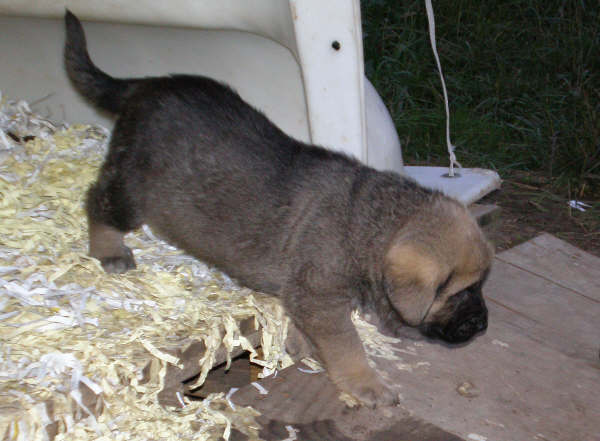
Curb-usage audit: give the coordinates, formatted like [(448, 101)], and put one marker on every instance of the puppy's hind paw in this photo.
[(118, 264)]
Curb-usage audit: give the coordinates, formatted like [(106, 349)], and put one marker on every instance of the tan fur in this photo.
[(416, 274), (423, 256)]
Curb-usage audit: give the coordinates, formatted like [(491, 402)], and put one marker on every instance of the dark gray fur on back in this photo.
[(213, 175)]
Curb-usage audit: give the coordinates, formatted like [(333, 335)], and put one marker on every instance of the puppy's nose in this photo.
[(468, 328), (477, 314), (476, 324)]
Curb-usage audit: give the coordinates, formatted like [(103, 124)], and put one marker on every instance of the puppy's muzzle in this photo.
[(469, 318)]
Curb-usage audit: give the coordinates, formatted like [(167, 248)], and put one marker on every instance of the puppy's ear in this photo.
[(411, 277)]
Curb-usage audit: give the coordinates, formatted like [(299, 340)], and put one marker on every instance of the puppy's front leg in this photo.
[(329, 327)]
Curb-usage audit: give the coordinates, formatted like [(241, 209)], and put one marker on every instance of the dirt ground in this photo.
[(529, 205)]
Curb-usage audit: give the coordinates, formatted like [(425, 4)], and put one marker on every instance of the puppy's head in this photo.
[(434, 271)]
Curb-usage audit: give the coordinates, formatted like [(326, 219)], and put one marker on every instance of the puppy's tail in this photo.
[(101, 89)]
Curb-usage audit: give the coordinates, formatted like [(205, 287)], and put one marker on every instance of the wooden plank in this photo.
[(310, 404), (502, 386), (556, 317), (556, 287), (559, 262), (534, 375)]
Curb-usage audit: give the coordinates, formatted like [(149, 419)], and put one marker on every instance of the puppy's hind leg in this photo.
[(110, 217), (106, 245)]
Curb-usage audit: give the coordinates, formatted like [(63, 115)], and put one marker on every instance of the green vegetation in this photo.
[(523, 78)]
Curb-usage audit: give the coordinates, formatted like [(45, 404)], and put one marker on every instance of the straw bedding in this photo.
[(75, 341)]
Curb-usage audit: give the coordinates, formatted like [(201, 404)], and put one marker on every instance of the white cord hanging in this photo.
[(431, 20)]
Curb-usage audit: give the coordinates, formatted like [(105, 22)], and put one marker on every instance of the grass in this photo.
[(523, 78)]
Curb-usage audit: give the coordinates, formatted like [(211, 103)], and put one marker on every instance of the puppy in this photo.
[(316, 228)]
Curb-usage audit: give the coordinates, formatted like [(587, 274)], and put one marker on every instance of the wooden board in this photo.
[(559, 262), (545, 312), (534, 375), (310, 404)]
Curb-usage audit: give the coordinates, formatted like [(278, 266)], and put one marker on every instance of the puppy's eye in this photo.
[(440, 289)]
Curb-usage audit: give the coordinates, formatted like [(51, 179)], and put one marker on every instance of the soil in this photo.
[(531, 204)]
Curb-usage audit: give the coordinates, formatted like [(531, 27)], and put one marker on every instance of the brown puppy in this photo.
[(318, 229)]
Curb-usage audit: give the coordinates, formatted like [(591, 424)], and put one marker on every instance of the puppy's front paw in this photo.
[(369, 390), (119, 264)]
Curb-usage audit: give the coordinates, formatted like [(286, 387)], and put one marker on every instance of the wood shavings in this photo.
[(292, 433), (467, 390), (75, 341), (261, 390), (349, 400), (375, 343), (500, 343), (310, 371), (313, 364), (159, 354), (411, 367), (229, 395), (476, 437)]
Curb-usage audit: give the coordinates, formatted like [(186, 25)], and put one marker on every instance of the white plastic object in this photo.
[(321, 98), (280, 55), (468, 184)]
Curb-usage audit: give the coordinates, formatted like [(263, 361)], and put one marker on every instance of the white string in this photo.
[(451, 147)]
